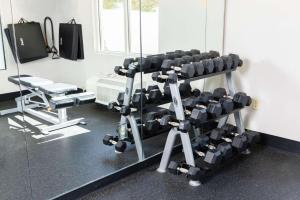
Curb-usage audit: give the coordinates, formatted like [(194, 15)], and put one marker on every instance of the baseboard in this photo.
[(12, 95), (280, 143)]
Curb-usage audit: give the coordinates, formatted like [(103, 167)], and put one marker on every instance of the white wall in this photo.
[(266, 35)]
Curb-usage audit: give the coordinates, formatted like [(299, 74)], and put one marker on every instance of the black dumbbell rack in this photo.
[(180, 115)]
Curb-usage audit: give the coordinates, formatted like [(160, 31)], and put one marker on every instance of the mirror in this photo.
[(2, 48), (13, 157), (68, 92), (168, 26)]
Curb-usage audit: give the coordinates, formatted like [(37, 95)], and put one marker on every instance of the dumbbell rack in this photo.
[(123, 125), (180, 115)]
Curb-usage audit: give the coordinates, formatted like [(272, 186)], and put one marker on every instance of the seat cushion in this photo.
[(58, 88), (35, 82)]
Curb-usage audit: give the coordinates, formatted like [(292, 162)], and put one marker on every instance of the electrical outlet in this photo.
[(254, 104)]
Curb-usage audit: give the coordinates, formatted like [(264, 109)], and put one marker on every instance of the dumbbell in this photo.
[(179, 65), (239, 99), (226, 103), (193, 173), (231, 61), (205, 55), (151, 95), (124, 110), (139, 63), (185, 90), (252, 137), (152, 119), (120, 98), (210, 153), (213, 109), (170, 120), (125, 72), (238, 141), (156, 61), (120, 146)]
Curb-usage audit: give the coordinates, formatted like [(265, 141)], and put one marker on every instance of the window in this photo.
[(2, 55), (120, 25)]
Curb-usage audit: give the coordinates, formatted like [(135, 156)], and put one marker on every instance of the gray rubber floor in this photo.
[(61, 161), (267, 174)]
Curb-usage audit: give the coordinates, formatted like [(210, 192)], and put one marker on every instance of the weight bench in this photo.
[(44, 96)]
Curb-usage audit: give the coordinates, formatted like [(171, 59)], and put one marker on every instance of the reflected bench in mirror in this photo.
[(39, 91)]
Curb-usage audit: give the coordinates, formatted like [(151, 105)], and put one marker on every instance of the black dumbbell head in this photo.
[(188, 53), (156, 77), (188, 59), (180, 52), (152, 125), (189, 103), (172, 78), (164, 121), (213, 54), (227, 105), (151, 116), (195, 51), (111, 105), (219, 64), (213, 156), (241, 99), (179, 61), (229, 129), (120, 98), (125, 110), (167, 65), (120, 146), (187, 70), (118, 69), (214, 109), (140, 90), (172, 167), (107, 139), (236, 60), (196, 92), (209, 66), (138, 99), (152, 87), (167, 91), (199, 68), (155, 95), (217, 134), (205, 97), (219, 93), (143, 63), (184, 126), (198, 116), (240, 142), (252, 137), (228, 62), (201, 142), (156, 62), (225, 149), (194, 173), (185, 89), (127, 62)]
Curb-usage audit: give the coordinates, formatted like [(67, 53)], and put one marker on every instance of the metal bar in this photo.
[(62, 115), (187, 149), (136, 137), (177, 101), (122, 131), (167, 150)]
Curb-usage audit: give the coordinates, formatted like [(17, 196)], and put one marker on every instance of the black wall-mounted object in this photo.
[(29, 40), (71, 41)]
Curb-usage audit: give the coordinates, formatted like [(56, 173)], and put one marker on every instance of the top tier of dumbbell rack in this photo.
[(180, 115)]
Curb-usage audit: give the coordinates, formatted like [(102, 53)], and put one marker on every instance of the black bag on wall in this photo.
[(71, 40), (30, 42)]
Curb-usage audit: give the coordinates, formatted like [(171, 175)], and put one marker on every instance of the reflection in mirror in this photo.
[(174, 33), (14, 174), (2, 54), (71, 136)]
